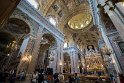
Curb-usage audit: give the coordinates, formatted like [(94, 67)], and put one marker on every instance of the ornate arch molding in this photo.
[(57, 40), (66, 53), (17, 27), (45, 32), (21, 16)]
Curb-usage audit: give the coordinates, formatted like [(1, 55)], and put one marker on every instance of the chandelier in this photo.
[(11, 47), (51, 58)]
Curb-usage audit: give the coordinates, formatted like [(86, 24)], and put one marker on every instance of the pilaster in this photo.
[(115, 17), (74, 61), (118, 25), (29, 58)]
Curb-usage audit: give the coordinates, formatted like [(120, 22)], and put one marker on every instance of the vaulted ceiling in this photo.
[(74, 16), (63, 10)]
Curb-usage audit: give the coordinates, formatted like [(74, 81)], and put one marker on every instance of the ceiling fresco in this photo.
[(73, 18), (80, 21)]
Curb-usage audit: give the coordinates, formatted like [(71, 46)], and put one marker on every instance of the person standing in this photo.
[(71, 79), (121, 77), (34, 77), (61, 78), (1, 77), (12, 76), (40, 77), (111, 77), (21, 76), (56, 80), (77, 79), (45, 79)]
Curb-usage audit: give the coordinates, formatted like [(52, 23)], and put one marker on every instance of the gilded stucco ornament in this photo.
[(80, 21)]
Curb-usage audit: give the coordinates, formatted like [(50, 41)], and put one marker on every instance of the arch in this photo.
[(45, 32), (47, 43), (80, 9), (18, 25), (6, 41), (67, 63), (50, 38), (14, 30), (20, 17)]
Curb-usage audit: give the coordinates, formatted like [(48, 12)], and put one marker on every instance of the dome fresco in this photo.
[(80, 21)]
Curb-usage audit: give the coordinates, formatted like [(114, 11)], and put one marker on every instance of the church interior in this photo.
[(73, 41)]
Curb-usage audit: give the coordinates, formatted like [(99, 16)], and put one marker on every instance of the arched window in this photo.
[(55, 7), (34, 3), (123, 4), (65, 45), (52, 21)]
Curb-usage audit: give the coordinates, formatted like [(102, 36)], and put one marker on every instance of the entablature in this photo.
[(73, 48), (26, 8)]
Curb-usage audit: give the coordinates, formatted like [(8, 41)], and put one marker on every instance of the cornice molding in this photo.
[(72, 13), (71, 49), (26, 8)]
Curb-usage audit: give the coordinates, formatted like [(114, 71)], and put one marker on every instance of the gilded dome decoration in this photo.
[(80, 21)]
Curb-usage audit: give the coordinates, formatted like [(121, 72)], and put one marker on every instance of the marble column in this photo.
[(57, 54), (29, 58), (60, 58), (115, 17), (108, 44), (35, 51), (53, 64), (121, 7), (74, 62), (106, 39), (103, 32)]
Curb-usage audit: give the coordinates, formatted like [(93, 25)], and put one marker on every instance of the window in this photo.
[(121, 46), (77, 2), (65, 45), (60, 14), (33, 3), (55, 7), (52, 21), (123, 4), (80, 1)]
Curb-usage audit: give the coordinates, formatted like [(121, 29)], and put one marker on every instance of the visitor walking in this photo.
[(70, 79), (121, 77), (22, 75), (12, 76), (56, 80), (1, 77), (34, 77), (77, 79), (61, 78), (40, 77), (111, 78), (45, 79)]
